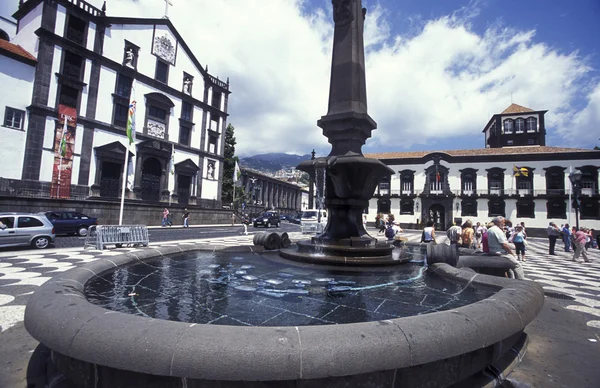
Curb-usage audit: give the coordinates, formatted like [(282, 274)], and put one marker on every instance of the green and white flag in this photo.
[(131, 116), (63, 142)]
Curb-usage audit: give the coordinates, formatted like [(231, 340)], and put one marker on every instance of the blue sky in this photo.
[(437, 70)]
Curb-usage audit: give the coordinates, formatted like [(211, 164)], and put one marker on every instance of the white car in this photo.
[(313, 220), (21, 229)]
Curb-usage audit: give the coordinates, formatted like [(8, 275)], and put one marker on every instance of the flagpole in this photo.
[(130, 130), (124, 183), (570, 192)]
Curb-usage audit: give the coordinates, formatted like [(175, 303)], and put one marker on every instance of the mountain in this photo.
[(273, 161)]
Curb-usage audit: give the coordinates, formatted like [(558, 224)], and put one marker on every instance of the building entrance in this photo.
[(183, 188), (109, 180), (151, 173), (437, 215)]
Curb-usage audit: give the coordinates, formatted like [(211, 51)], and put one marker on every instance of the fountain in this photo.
[(336, 314)]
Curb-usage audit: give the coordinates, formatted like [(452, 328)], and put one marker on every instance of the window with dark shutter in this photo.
[(162, 71)]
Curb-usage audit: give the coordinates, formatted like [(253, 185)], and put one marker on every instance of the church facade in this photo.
[(516, 176), (78, 75)]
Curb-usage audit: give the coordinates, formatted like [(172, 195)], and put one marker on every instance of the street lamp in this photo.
[(575, 178)]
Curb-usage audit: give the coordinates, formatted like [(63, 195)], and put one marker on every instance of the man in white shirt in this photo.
[(499, 245)]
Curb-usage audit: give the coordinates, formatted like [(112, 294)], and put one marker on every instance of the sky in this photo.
[(436, 70)]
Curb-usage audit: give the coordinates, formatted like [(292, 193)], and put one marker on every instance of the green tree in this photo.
[(228, 168)]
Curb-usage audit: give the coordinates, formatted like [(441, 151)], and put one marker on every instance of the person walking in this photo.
[(165, 217), (245, 222), (519, 240), (428, 234), (186, 216), (566, 235), (498, 246), (553, 234), (580, 237)]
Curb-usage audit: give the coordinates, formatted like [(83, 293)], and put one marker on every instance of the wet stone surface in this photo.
[(246, 289)]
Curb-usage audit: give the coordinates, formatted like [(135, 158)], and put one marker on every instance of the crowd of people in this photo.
[(499, 236)]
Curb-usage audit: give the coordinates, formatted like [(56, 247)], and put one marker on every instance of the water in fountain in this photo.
[(250, 289)]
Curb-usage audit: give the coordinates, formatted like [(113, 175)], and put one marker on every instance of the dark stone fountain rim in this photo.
[(59, 316)]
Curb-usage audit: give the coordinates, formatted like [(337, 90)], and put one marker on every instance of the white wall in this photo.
[(26, 37), (539, 183), (16, 79), (53, 90)]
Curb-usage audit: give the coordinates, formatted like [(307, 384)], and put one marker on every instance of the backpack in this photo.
[(389, 232)]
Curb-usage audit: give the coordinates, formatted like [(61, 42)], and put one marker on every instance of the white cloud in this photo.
[(442, 82)]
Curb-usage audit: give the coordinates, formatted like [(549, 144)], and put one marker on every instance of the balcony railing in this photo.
[(483, 192)]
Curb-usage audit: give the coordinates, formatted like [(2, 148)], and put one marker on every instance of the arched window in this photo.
[(520, 125), (407, 182), (469, 208), (531, 124), (407, 206), (496, 208), (556, 208), (495, 180), (525, 208), (508, 126), (468, 181), (555, 180)]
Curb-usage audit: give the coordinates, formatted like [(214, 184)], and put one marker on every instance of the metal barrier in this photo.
[(312, 227), (99, 236)]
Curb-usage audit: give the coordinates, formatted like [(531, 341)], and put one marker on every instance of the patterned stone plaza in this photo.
[(21, 273)]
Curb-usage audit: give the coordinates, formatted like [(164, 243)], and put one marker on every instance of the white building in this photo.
[(87, 63), (516, 176)]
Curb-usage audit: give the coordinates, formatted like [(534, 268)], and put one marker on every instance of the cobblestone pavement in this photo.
[(22, 272)]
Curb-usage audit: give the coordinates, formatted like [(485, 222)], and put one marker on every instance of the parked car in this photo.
[(266, 219), (21, 229), (67, 222)]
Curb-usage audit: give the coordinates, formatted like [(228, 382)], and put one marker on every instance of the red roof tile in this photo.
[(514, 108), (479, 152), (16, 49)]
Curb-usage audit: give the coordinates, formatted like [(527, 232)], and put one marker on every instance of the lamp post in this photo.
[(575, 178)]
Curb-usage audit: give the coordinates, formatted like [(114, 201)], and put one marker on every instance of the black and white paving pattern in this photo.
[(22, 272)]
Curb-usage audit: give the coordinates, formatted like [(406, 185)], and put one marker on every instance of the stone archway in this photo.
[(151, 176)]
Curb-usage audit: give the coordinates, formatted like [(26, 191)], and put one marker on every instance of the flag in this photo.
[(518, 171), (437, 176), (131, 117), (63, 142), (236, 172)]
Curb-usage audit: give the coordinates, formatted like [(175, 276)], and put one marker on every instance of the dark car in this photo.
[(266, 219), (70, 222)]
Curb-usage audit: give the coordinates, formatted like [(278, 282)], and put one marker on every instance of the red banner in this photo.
[(64, 145)]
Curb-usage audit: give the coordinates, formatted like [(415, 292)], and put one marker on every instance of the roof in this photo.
[(480, 152), (514, 108), (16, 52)]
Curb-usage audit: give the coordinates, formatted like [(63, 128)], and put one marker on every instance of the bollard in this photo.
[(270, 240), (442, 253)]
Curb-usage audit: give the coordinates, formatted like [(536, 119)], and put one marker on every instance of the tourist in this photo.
[(566, 236), (467, 234), (588, 239), (479, 230), (518, 238), (428, 234), (454, 234), (245, 223), (380, 224), (498, 246), (186, 216), (165, 218), (579, 243), (553, 234)]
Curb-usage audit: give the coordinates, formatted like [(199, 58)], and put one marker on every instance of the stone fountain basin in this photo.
[(90, 343)]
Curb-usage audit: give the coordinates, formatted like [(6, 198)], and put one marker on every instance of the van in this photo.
[(313, 220)]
